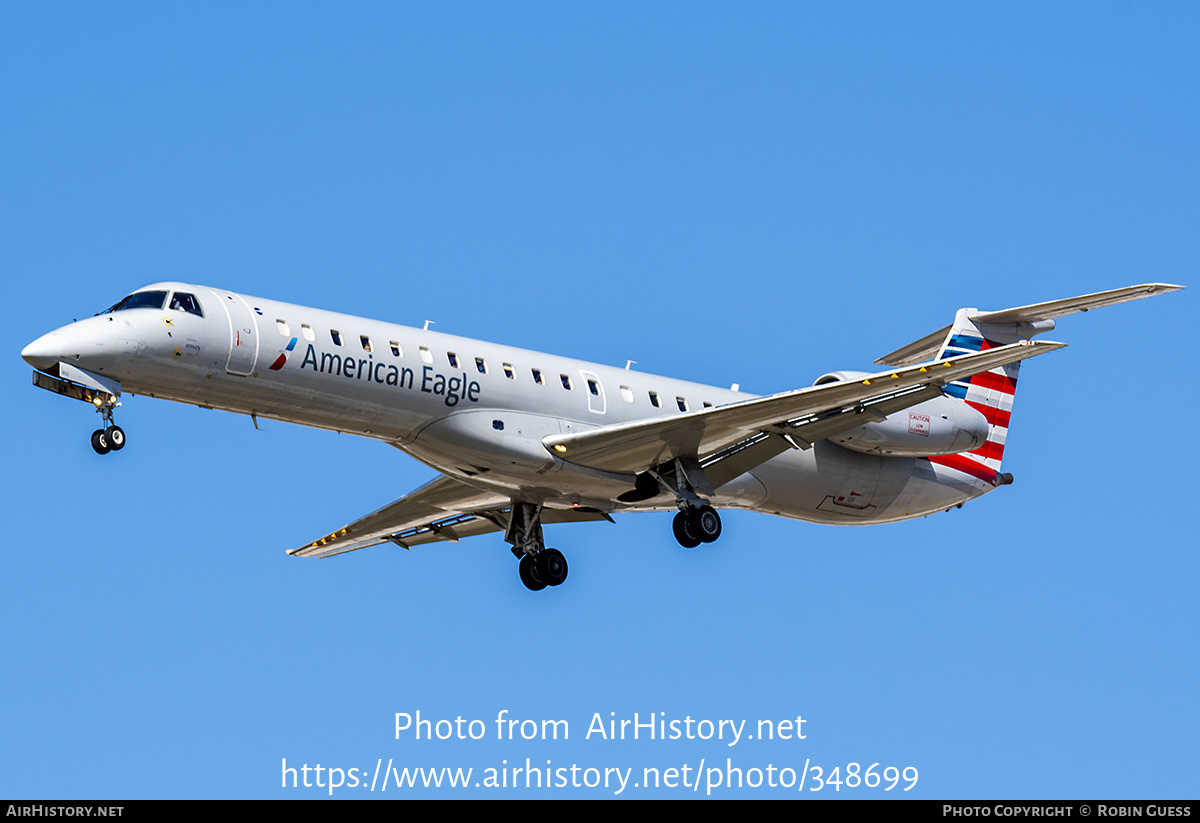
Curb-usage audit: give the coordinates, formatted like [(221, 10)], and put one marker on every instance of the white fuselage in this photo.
[(473, 410)]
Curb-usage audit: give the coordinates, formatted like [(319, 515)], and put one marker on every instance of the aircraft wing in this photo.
[(441, 500), (443, 509), (820, 410)]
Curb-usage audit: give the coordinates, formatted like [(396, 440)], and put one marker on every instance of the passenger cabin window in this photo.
[(284, 331), (627, 394), (182, 301), (308, 332), (336, 336), (594, 387), (481, 364), (366, 343), (654, 399), (453, 358), (396, 350), (508, 371), (141, 300), (426, 354), (566, 381), (538, 378), (681, 403)]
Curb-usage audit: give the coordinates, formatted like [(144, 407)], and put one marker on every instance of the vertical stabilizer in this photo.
[(990, 392)]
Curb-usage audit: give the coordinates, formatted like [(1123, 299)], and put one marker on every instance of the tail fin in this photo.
[(991, 392)]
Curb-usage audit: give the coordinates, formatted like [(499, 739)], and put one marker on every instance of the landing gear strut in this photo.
[(540, 567), (112, 436), (697, 521)]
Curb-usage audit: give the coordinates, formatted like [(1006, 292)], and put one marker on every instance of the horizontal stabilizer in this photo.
[(1061, 308), (931, 344)]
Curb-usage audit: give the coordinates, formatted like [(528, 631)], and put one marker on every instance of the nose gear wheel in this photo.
[(112, 436)]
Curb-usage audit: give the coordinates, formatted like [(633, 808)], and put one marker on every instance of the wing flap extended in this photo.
[(441, 510), (636, 446), (483, 522), (440, 501)]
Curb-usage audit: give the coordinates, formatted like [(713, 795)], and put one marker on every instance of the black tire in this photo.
[(554, 566), (685, 531), (115, 436), (532, 581), (99, 443), (708, 523)]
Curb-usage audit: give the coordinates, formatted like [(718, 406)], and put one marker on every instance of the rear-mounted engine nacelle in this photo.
[(943, 425)]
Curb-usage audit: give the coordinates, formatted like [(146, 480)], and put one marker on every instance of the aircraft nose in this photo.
[(43, 352)]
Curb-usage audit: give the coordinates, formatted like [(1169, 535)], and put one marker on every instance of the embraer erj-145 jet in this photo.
[(523, 439)]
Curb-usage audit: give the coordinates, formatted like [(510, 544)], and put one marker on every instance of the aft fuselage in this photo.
[(473, 410)]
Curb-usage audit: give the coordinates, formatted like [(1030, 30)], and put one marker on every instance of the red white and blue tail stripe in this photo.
[(990, 393)]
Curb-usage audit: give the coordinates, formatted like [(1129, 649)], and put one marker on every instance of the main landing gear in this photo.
[(695, 525), (546, 568), (112, 436), (540, 567), (697, 521)]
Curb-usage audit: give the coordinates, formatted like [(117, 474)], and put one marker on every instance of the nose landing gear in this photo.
[(101, 392), (108, 439), (111, 437)]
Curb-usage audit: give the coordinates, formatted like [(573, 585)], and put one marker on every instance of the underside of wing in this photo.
[(1060, 308), (795, 418), (442, 500), (443, 509)]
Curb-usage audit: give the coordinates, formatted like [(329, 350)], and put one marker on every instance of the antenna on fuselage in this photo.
[(629, 363), (428, 323)]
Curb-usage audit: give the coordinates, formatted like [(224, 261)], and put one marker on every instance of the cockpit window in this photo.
[(182, 301), (141, 300)]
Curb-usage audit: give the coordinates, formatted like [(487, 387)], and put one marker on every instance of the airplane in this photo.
[(523, 439)]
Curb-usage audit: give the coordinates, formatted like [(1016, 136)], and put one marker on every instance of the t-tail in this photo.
[(991, 392)]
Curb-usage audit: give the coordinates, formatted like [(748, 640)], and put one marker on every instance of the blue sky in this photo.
[(754, 195)]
